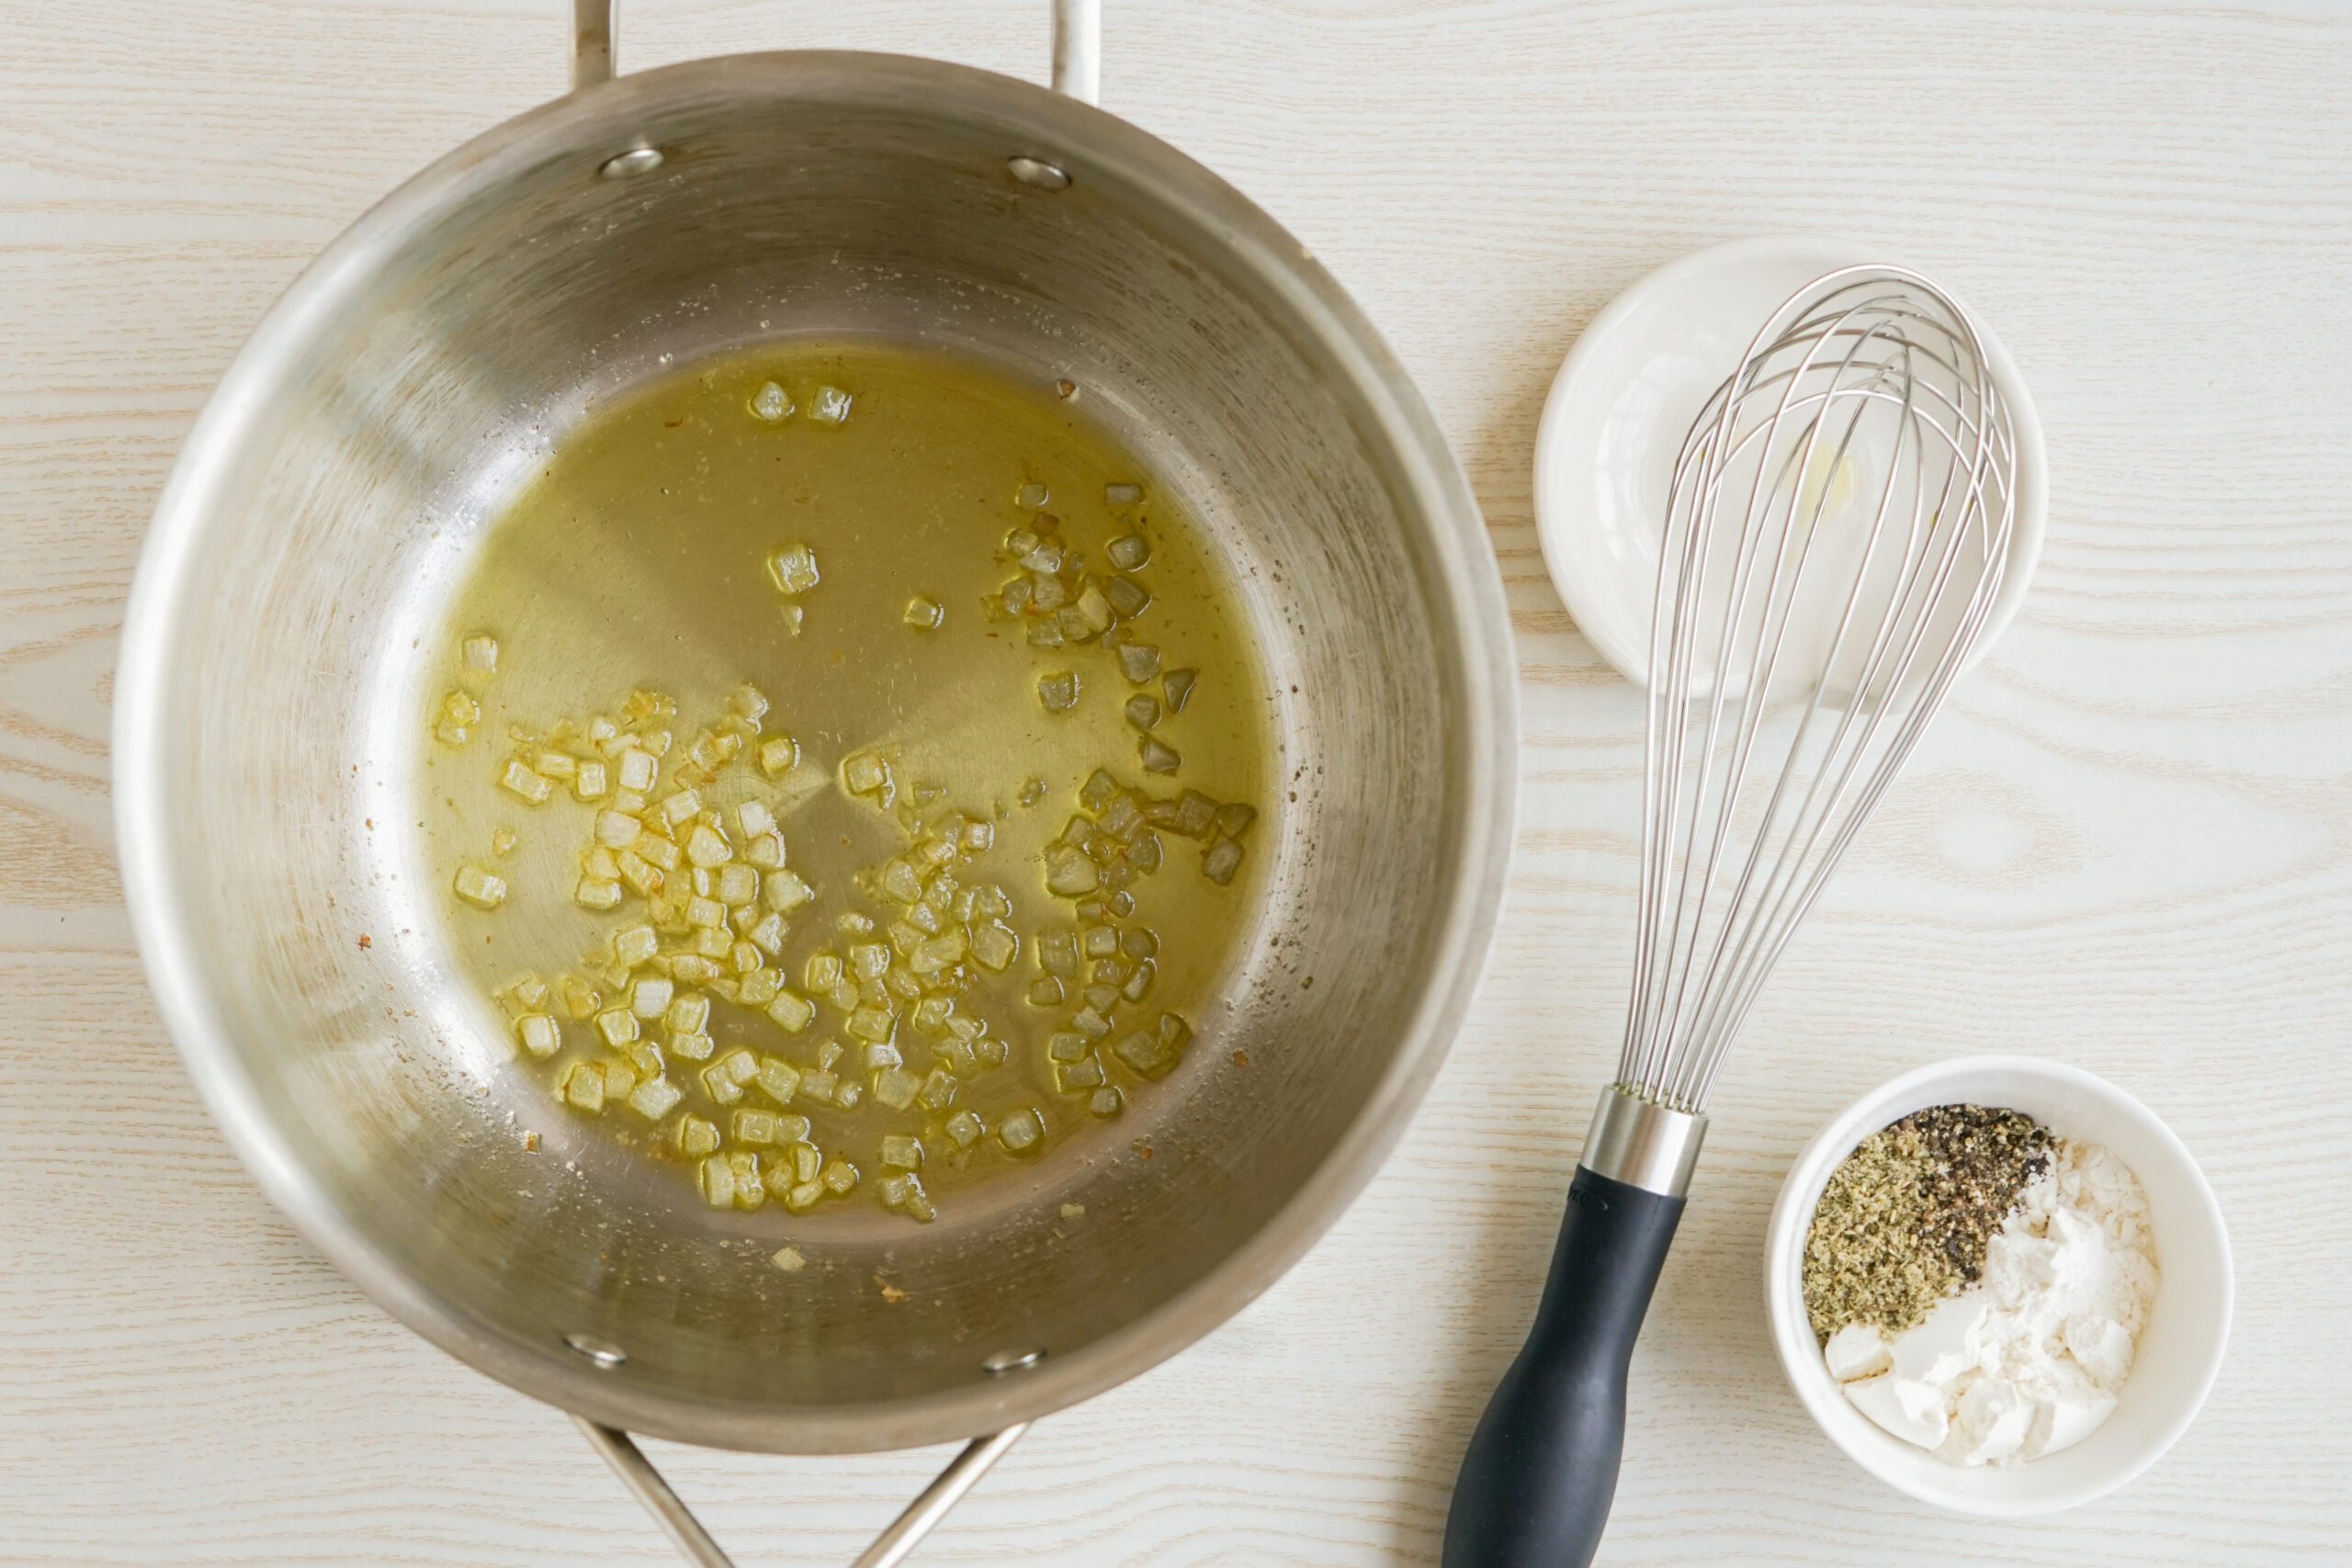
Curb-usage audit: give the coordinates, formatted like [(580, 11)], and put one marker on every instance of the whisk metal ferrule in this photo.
[(1643, 1142)]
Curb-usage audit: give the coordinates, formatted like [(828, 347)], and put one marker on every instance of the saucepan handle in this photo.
[(889, 1549), (1077, 46)]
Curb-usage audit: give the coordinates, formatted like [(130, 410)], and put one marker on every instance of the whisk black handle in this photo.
[(1535, 1486)]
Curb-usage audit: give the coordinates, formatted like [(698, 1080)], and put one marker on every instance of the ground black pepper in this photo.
[(1905, 1218)]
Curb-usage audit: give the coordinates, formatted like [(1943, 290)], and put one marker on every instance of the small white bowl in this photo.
[(1625, 397), (2179, 1354)]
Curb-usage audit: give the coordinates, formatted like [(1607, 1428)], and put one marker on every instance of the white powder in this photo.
[(2028, 1360)]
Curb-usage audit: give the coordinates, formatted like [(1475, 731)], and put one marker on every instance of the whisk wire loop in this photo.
[(1837, 527)]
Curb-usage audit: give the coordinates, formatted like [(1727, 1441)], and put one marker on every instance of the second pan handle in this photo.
[(1077, 46), (649, 1486)]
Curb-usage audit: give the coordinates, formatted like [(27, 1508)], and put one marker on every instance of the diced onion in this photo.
[(655, 1098), (718, 1179), (707, 846), (1177, 687), (863, 773), (695, 1136), (583, 1087), (1157, 756), (995, 945), (520, 780), (767, 934), (1021, 1131), (830, 406), (1086, 1072), (650, 995), (1068, 871), (794, 569), (751, 1192), (1138, 662), (539, 1035), (737, 885), (482, 889), (770, 403), (1127, 597), (1195, 813)]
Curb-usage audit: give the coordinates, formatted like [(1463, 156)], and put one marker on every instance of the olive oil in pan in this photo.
[(985, 679)]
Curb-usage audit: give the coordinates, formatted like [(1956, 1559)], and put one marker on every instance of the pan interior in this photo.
[(439, 367), (635, 563)]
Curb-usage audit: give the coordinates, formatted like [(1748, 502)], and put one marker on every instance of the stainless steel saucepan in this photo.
[(270, 693)]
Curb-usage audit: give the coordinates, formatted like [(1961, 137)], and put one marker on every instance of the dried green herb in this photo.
[(1905, 1218)]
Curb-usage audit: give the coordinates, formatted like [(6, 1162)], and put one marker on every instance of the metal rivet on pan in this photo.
[(1011, 1361), (1036, 172), (636, 160), (604, 1352)]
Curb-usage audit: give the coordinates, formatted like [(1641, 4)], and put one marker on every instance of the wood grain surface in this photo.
[(2128, 847)]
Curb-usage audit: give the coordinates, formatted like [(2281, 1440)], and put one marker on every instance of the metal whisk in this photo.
[(1837, 533)]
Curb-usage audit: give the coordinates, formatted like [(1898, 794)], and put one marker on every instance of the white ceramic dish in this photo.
[(1625, 397), (2178, 1353)]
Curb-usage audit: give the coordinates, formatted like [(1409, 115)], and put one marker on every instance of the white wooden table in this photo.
[(2129, 846)]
